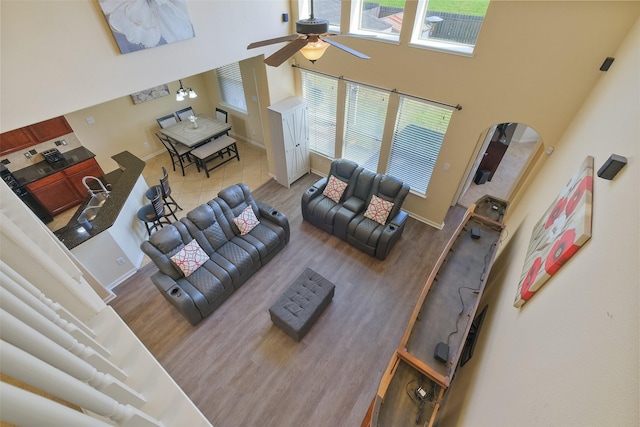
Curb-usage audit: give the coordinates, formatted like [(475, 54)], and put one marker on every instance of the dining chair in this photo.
[(221, 116), (180, 153), (166, 121), (184, 113), (154, 214), (165, 191)]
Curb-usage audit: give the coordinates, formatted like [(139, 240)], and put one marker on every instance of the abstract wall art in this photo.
[(149, 94), (561, 231), (143, 24)]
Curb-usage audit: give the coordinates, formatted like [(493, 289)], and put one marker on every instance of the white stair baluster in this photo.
[(27, 368), (26, 338), (59, 309), (23, 408)]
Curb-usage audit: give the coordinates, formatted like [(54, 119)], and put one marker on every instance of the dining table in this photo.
[(194, 134)]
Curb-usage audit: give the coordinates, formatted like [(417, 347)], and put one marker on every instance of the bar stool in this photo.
[(165, 191), (153, 214), (213, 150)]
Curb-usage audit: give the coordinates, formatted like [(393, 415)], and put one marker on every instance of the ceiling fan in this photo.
[(311, 40)]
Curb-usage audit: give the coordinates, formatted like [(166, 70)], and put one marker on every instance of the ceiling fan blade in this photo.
[(286, 52), (273, 41), (346, 49)]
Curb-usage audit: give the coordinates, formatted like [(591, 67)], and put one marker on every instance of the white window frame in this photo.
[(354, 25), (412, 173), (351, 138), (439, 45), (225, 75), (321, 143)]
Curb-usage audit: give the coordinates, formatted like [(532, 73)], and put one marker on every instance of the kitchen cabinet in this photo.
[(16, 140), (50, 129), (74, 175), (289, 124), (55, 192), (20, 139), (64, 189)]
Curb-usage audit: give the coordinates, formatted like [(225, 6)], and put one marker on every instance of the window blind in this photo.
[(419, 130), (365, 113), (321, 94), (231, 89)]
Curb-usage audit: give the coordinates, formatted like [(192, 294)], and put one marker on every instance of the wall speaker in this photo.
[(607, 63), (612, 166)]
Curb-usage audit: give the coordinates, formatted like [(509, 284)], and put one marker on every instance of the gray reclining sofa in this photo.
[(231, 257), (347, 219)]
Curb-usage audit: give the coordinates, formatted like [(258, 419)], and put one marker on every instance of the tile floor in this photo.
[(195, 188)]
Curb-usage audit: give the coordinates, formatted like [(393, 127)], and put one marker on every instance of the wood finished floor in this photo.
[(241, 370)]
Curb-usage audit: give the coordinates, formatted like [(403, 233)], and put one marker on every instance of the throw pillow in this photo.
[(190, 258), (334, 189), (378, 209), (246, 221)]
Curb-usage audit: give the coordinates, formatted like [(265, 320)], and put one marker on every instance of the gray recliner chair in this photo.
[(225, 259), (372, 237), (270, 235), (196, 296), (319, 209), (208, 225)]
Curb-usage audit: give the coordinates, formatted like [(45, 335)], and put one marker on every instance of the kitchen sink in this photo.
[(97, 200), (91, 209)]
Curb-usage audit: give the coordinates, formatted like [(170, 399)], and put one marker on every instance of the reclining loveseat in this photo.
[(203, 258), (358, 206)]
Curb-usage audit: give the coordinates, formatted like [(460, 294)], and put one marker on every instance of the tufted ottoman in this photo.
[(302, 303)]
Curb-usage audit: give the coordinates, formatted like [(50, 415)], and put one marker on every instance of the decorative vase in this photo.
[(195, 125)]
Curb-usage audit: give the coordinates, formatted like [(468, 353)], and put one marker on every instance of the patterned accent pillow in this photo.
[(246, 221), (190, 258), (334, 189), (378, 209)]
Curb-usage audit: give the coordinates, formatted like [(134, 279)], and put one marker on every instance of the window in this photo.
[(231, 90), (324, 9), (382, 19), (419, 130), (365, 113), (449, 25), (321, 94)]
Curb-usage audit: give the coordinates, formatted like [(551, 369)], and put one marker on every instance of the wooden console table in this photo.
[(414, 382)]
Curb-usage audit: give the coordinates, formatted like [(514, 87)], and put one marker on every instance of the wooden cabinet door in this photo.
[(50, 129), (55, 193), (87, 168), (16, 140)]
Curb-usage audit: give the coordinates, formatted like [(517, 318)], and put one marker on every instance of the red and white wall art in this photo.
[(561, 231)]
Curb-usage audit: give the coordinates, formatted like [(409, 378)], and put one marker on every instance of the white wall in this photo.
[(570, 356), (535, 63)]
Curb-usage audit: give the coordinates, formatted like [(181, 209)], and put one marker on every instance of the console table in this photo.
[(415, 379)]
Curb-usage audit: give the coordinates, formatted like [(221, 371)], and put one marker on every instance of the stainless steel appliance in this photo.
[(52, 156), (22, 192)]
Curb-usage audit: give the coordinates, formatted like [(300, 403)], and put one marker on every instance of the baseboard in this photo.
[(152, 155), (425, 221)]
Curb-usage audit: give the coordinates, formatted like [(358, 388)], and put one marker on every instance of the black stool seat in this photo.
[(153, 214), (165, 191)]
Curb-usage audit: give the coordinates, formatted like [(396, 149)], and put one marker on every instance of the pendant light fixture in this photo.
[(183, 93)]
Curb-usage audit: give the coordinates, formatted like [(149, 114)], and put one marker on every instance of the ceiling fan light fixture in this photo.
[(314, 50)]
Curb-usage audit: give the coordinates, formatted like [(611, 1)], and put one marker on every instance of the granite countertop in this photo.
[(43, 169), (121, 183)]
